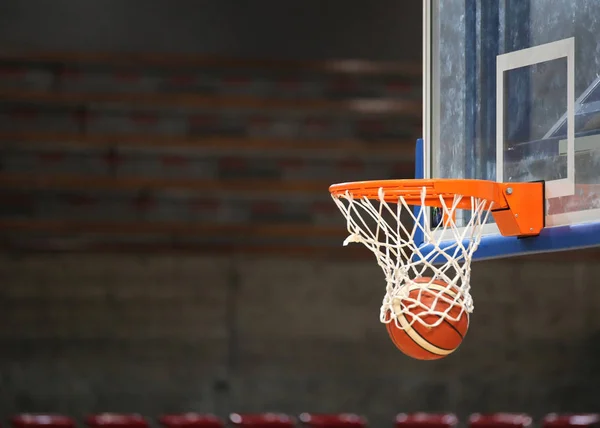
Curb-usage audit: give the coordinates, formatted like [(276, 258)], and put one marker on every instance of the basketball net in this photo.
[(377, 224)]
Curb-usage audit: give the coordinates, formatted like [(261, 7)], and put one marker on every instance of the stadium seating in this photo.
[(163, 151), (500, 420), (426, 420), (191, 420), (116, 420), (337, 420), (555, 420), (262, 420), (39, 420)]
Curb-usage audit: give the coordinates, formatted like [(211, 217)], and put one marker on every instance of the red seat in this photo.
[(554, 420), (191, 420), (116, 420), (31, 420), (338, 420), (426, 420), (262, 420), (499, 420)]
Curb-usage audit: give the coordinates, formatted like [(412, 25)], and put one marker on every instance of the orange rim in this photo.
[(518, 208), (410, 191)]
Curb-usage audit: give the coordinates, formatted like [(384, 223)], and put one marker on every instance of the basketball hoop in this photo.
[(374, 212)]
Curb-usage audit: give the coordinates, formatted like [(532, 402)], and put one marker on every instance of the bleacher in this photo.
[(304, 420), (158, 152)]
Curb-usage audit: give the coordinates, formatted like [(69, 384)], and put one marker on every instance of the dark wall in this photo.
[(179, 333), (300, 29)]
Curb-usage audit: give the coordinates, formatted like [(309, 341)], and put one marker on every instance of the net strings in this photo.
[(378, 225)]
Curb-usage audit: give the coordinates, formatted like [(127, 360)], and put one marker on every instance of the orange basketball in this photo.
[(422, 342)]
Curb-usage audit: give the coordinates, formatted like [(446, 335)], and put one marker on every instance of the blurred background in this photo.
[(168, 240)]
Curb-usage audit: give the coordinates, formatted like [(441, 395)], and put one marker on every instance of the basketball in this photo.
[(422, 342)]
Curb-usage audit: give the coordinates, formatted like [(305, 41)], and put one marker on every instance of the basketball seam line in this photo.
[(450, 292), (414, 334), (427, 345), (454, 328)]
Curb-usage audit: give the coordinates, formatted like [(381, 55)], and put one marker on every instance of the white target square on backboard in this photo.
[(555, 187)]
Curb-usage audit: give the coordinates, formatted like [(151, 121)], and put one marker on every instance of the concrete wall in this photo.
[(301, 29), (177, 333)]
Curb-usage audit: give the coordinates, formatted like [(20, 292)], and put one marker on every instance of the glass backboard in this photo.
[(512, 94)]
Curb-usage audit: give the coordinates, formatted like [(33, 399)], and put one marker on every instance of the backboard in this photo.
[(512, 94)]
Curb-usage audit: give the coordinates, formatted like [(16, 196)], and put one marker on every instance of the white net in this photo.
[(428, 279)]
